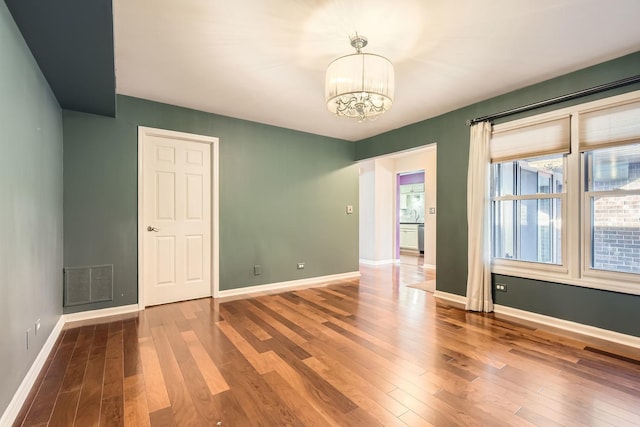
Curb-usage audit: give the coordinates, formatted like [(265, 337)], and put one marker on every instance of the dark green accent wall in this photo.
[(72, 41), (282, 196), (31, 213), (452, 135)]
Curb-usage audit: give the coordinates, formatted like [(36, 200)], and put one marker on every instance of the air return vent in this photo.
[(83, 285)]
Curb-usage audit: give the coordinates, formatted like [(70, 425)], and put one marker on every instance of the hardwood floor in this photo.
[(356, 353)]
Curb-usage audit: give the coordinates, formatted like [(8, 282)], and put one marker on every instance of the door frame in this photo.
[(143, 132)]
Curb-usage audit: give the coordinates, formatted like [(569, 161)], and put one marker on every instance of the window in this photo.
[(612, 199), (527, 209), (565, 195)]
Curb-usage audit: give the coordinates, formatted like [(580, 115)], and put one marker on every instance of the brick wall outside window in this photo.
[(616, 232)]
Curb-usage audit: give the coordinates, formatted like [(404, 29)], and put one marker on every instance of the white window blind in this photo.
[(550, 136), (610, 126)]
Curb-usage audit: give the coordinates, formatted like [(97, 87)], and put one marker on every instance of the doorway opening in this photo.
[(410, 214), (398, 212)]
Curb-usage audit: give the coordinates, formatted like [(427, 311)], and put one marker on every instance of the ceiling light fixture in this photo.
[(360, 85)]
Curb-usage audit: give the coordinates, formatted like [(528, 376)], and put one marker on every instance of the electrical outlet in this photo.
[(300, 265), (432, 211), (349, 209), (257, 270), (501, 287), (37, 328)]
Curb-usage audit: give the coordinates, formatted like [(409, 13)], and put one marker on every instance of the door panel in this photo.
[(194, 258), (177, 218), (165, 260), (165, 198), (194, 197)]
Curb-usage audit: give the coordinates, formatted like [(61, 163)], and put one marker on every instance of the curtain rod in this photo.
[(584, 92)]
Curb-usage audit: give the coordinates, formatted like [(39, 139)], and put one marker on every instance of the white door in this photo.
[(175, 217)]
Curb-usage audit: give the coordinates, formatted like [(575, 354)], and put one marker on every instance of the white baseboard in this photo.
[(380, 262), (20, 396), (570, 326), (429, 266), (454, 298), (302, 283), (567, 325), (104, 312)]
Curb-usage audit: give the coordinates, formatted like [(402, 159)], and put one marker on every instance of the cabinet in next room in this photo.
[(409, 236)]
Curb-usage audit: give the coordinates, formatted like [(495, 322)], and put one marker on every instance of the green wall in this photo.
[(282, 196), (604, 309), (452, 135), (31, 214)]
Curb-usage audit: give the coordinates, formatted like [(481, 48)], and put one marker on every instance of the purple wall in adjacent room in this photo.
[(414, 178)]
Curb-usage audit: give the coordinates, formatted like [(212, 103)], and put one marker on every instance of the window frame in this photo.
[(562, 196), (587, 270), (575, 236)]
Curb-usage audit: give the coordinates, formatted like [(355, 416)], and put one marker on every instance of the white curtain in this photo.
[(478, 220)]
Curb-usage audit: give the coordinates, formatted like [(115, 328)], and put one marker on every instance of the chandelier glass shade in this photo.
[(360, 85)]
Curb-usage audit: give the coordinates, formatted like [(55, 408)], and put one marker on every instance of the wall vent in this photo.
[(84, 285)]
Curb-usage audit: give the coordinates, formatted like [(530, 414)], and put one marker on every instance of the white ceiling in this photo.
[(264, 60)]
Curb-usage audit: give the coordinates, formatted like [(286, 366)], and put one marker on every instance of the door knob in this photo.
[(150, 228)]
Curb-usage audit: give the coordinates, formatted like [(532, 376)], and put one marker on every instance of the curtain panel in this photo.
[(478, 220)]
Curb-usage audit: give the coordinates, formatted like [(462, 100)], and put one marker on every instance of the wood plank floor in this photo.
[(364, 352)]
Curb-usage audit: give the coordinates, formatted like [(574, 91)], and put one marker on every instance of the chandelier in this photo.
[(360, 85)]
